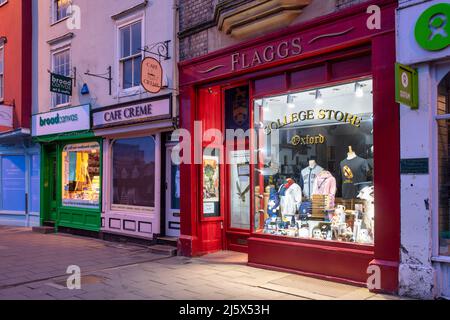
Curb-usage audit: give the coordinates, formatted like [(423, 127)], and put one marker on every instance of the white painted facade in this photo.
[(95, 46), (92, 36), (423, 273)]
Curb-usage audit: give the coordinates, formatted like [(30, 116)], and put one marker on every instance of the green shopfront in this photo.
[(71, 167)]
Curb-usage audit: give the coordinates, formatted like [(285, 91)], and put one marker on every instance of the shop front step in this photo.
[(44, 230), (170, 241), (164, 249)]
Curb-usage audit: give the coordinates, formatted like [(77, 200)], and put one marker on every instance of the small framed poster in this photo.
[(211, 183)]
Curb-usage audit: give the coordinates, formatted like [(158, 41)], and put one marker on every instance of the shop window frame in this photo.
[(59, 177), (110, 205), (232, 147), (440, 71), (26, 178), (312, 86)]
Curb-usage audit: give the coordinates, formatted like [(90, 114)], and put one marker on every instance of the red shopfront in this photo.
[(318, 100)]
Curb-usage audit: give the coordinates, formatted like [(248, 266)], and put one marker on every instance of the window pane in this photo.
[(134, 172), (444, 172), (125, 41), (315, 162), (81, 175), (128, 73), (137, 71), (136, 38), (61, 7), (35, 183), (13, 183)]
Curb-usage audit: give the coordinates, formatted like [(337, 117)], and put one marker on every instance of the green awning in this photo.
[(78, 135)]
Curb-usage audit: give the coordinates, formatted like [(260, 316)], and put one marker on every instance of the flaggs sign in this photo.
[(266, 54)]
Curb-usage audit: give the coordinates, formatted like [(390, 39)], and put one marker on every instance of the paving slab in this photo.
[(34, 267)]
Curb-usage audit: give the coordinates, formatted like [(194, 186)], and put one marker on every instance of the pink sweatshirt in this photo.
[(325, 183)]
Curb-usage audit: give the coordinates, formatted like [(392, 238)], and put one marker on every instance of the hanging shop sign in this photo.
[(151, 75), (61, 84), (63, 120), (406, 86), (133, 113), (432, 29), (6, 116)]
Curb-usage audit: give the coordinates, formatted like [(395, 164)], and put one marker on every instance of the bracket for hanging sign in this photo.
[(158, 49), (105, 76)]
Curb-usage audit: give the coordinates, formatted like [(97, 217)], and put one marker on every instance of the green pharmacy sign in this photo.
[(406, 86), (433, 28), (60, 84)]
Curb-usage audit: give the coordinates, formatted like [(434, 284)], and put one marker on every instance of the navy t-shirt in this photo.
[(353, 171)]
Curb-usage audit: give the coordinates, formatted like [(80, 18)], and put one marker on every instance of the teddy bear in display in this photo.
[(367, 194)]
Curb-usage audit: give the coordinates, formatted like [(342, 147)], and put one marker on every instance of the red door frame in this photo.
[(336, 261)]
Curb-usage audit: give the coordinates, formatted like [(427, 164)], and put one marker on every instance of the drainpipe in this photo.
[(176, 6)]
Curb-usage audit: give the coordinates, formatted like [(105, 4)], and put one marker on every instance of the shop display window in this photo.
[(134, 174), (444, 167), (81, 175), (13, 170), (314, 171)]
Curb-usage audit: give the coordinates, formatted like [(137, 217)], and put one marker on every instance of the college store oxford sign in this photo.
[(62, 120), (126, 114)]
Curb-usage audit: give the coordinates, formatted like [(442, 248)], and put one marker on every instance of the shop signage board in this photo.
[(432, 30), (62, 120), (133, 113), (282, 47), (61, 84), (414, 166), (406, 86), (6, 116), (151, 75)]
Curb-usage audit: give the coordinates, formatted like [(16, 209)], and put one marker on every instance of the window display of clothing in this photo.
[(309, 175), (290, 198), (354, 171), (325, 184)]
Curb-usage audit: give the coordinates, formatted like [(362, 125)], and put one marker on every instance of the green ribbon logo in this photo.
[(433, 28)]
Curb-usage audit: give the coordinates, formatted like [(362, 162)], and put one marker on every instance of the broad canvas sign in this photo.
[(132, 113), (60, 84), (62, 120)]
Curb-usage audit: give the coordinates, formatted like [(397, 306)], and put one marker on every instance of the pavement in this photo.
[(34, 266)]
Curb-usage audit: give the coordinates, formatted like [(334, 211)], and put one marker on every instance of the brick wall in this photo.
[(195, 16)]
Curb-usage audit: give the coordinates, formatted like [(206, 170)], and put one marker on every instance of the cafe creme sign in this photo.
[(151, 75), (132, 113)]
